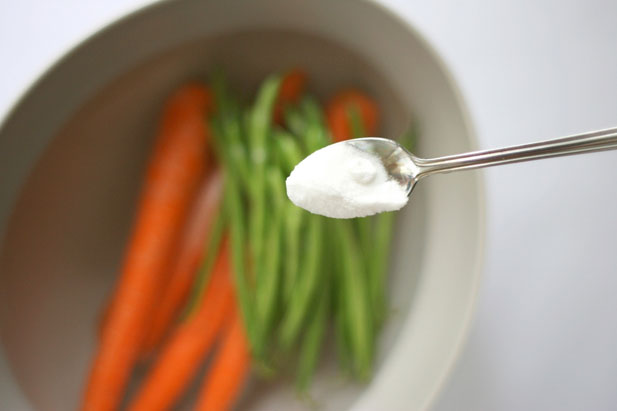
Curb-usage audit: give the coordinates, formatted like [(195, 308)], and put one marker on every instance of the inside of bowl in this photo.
[(95, 116)]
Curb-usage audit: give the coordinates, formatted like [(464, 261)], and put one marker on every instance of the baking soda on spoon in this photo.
[(342, 181)]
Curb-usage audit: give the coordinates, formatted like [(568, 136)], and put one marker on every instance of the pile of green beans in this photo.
[(296, 274)]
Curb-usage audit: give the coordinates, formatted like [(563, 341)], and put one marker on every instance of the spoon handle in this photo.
[(600, 140)]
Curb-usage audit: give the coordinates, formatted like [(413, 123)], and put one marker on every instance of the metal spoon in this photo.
[(408, 169)]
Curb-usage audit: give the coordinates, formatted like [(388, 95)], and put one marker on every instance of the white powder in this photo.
[(341, 181)]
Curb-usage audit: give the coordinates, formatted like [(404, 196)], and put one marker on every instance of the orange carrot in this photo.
[(190, 252), (291, 88), (174, 171), (228, 373), (187, 347), (339, 108), (103, 318)]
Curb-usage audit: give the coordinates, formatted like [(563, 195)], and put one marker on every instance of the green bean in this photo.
[(378, 267), (365, 229), (257, 122), (288, 151), (356, 308), (312, 341), (238, 155), (289, 154), (258, 129), (237, 222), (343, 346), (311, 110), (306, 122), (228, 132), (294, 217), (261, 118), (295, 121), (306, 285), (268, 273), (315, 133)]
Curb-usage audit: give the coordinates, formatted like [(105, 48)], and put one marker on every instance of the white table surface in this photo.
[(545, 330)]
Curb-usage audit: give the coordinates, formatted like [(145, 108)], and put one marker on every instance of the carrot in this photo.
[(292, 86), (190, 252), (187, 347), (225, 379), (343, 105), (103, 317), (173, 174)]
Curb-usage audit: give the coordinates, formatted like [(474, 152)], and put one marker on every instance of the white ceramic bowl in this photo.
[(72, 150)]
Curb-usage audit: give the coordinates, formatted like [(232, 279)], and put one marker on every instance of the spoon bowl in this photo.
[(399, 163)]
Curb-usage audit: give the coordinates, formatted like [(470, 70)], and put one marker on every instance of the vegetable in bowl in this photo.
[(221, 262)]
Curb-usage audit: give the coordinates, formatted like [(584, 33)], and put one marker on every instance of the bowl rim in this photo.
[(391, 12)]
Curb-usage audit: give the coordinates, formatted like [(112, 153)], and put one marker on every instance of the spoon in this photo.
[(407, 169)]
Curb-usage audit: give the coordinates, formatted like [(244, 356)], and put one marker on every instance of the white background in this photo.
[(545, 331)]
